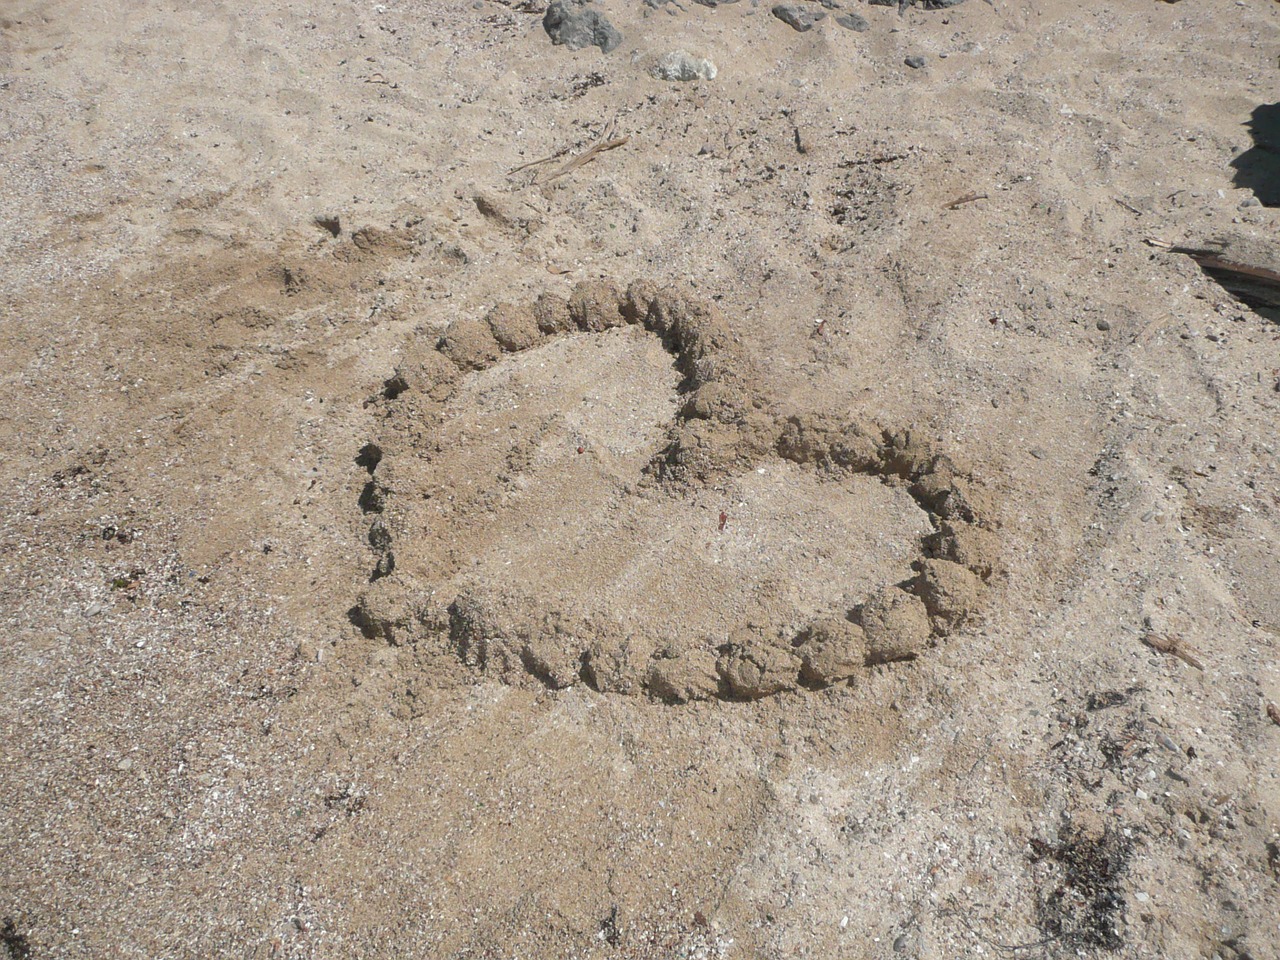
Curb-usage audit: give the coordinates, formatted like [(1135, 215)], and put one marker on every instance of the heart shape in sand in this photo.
[(594, 491)]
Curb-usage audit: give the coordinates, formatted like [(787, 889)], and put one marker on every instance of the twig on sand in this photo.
[(587, 156), (1173, 646), (606, 142), (967, 198), (1151, 328), (534, 163)]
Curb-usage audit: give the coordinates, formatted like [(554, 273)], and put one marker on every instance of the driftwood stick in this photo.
[(967, 198), (587, 156)]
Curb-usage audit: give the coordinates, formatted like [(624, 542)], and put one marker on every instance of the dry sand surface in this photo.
[(727, 546)]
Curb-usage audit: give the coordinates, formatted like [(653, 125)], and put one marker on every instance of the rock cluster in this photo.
[(577, 24)]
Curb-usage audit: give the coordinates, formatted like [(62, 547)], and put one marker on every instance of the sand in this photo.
[(819, 525)]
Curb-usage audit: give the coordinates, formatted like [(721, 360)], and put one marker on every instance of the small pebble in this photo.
[(1104, 325), (125, 764), (914, 62), (1250, 202)]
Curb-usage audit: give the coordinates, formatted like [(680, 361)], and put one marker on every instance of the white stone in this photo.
[(681, 66)]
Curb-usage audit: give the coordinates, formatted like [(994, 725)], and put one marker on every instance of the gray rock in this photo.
[(797, 17), (852, 21), (681, 66), (915, 63), (714, 3), (927, 4), (575, 24)]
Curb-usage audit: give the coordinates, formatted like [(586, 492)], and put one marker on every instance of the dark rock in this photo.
[(852, 21), (574, 24), (927, 4), (797, 17), (915, 63), (714, 3)]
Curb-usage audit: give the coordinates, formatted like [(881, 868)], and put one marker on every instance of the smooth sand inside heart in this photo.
[(519, 510)]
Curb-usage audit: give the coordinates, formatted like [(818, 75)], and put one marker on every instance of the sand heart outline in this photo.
[(723, 424)]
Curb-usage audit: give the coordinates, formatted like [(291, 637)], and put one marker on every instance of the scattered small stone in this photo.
[(852, 21), (1104, 325), (915, 62), (1250, 202), (575, 25), (798, 18), (93, 609), (125, 764), (680, 66)]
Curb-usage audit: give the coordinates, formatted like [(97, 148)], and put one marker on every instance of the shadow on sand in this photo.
[(1258, 168)]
